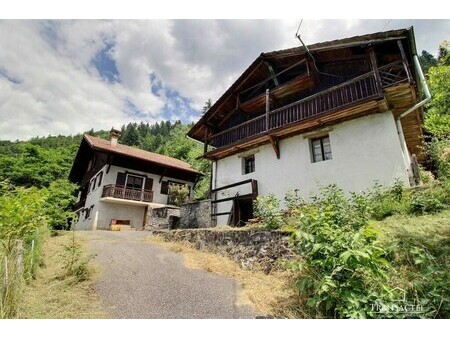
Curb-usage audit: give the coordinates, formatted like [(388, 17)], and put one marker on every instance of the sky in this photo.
[(68, 76)]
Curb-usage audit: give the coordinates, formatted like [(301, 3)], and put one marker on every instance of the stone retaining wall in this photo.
[(195, 215), (250, 248)]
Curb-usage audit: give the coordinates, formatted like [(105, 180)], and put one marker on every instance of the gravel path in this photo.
[(143, 280)]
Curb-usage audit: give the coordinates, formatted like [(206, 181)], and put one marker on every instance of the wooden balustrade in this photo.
[(122, 192), (356, 90)]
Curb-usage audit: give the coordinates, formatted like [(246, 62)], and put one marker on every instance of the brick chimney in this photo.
[(115, 134)]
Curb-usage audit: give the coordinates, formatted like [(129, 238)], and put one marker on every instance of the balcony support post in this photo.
[(373, 61), (404, 59)]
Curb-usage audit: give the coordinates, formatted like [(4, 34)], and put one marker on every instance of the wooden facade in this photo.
[(287, 92)]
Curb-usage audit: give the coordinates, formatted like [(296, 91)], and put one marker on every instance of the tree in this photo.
[(427, 60), (208, 104), (444, 53), (437, 117), (130, 135)]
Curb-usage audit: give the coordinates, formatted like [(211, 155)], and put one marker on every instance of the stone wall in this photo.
[(154, 219), (195, 215), (250, 248)]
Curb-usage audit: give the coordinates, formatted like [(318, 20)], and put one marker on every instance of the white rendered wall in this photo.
[(107, 210), (365, 150)]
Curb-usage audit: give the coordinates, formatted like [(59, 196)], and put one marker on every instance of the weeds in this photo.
[(349, 267), (75, 263)]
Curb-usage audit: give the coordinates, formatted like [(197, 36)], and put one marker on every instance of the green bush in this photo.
[(426, 201), (343, 270), (267, 208), (439, 153), (387, 201)]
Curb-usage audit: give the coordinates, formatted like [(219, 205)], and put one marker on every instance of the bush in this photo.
[(267, 208), (387, 201), (75, 264), (439, 152), (343, 267), (178, 193)]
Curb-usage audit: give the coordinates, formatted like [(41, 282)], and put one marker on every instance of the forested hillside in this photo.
[(40, 161)]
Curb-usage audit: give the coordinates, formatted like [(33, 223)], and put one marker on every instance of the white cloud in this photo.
[(59, 89)]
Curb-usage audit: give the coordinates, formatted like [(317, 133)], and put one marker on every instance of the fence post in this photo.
[(32, 256), (19, 260), (6, 272)]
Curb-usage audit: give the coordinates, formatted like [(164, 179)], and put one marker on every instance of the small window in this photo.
[(248, 164), (321, 149), (165, 187), (94, 182)]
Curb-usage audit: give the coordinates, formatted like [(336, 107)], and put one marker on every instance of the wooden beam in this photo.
[(275, 145), (271, 77), (373, 61), (405, 61), (272, 73), (231, 112), (237, 87), (205, 142), (162, 176), (232, 185)]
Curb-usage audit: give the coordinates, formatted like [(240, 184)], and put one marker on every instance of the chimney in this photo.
[(115, 134)]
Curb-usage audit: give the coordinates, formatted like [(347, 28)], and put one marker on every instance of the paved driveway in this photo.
[(143, 280)]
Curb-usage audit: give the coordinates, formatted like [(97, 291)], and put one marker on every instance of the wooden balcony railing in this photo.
[(122, 192), (361, 88)]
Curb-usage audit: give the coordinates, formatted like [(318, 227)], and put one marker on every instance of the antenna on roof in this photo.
[(297, 35), (298, 29)]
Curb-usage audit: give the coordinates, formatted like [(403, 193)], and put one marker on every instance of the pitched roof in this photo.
[(199, 127), (105, 145)]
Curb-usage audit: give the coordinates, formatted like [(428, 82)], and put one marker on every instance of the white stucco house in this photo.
[(124, 185), (343, 112)]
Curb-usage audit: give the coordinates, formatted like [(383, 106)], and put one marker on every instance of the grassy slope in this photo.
[(53, 296)]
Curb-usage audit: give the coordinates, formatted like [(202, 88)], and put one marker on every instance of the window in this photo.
[(134, 182), (248, 164), (321, 149)]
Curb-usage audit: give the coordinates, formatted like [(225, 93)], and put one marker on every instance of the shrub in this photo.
[(267, 208), (439, 152), (178, 193), (75, 264), (343, 267), (387, 201), (427, 200)]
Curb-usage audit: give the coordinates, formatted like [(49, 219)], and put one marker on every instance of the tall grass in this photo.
[(22, 223)]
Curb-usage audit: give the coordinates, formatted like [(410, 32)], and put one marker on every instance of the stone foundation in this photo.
[(250, 248)]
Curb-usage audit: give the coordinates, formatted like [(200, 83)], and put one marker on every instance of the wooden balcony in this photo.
[(122, 192), (364, 88)]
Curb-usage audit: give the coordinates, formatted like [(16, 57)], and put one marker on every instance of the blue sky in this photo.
[(65, 77)]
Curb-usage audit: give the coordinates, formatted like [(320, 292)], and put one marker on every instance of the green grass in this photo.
[(418, 248)]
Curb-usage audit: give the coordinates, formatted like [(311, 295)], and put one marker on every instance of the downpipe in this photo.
[(408, 111)]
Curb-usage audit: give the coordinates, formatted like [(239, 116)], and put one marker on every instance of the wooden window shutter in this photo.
[(165, 187), (100, 178), (121, 177), (148, 183)]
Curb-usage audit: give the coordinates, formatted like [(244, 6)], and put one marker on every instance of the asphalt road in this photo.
[(143, 280)]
